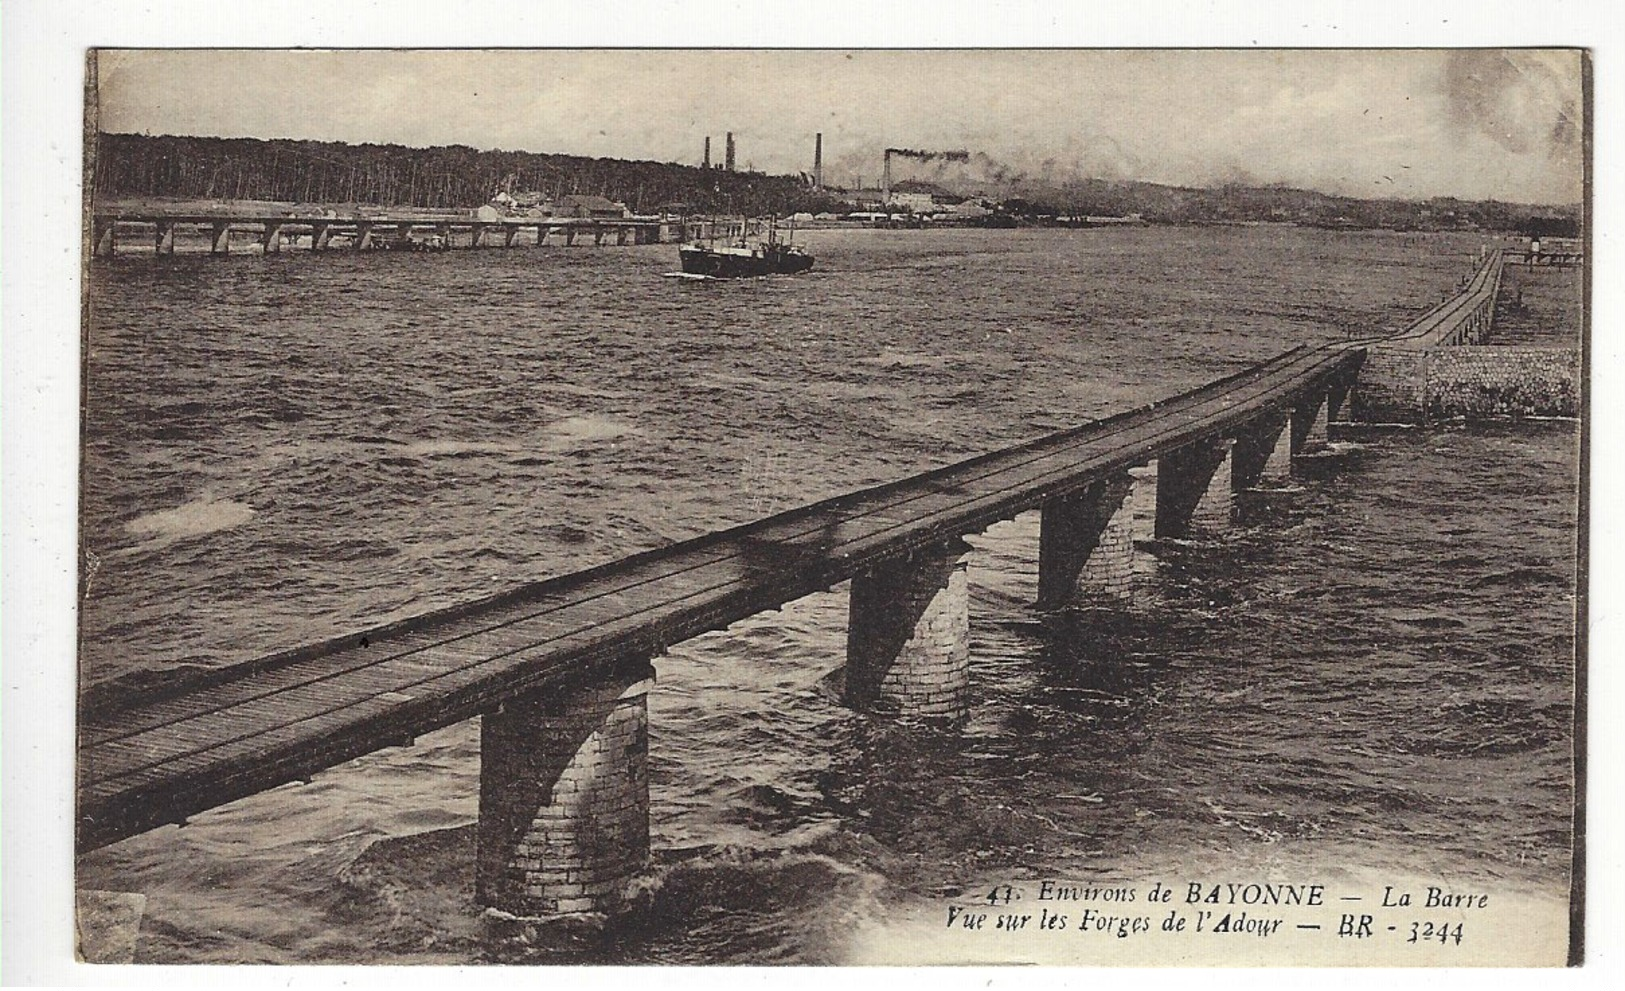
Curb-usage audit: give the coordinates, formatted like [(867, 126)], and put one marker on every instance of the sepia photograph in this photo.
[(832, 506)]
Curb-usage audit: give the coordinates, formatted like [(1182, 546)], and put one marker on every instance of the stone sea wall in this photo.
[(1406, 385), (1443, 371), (1491, 380)]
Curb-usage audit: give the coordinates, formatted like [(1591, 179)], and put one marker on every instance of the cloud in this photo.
[(1524, 101)]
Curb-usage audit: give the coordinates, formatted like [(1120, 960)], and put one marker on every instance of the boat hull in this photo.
[(741, 264)]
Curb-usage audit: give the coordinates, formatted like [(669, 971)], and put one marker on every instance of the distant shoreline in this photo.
[(162, 206)]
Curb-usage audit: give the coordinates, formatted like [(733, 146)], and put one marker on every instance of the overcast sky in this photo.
[(1474, 124)]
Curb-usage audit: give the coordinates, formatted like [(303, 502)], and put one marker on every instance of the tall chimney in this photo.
[(707, 152), (730, 153), (818, 160), (885, 180)]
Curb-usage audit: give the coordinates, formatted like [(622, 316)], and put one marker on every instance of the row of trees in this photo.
[(447, 177), (458, 177)]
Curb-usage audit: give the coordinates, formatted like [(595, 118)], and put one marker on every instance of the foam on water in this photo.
[(193, 519)]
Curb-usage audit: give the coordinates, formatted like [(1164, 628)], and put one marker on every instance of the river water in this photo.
[(1375, 673)]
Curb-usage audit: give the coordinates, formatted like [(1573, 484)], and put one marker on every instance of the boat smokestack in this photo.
[(818, 160), (707, 152), (729, 153)]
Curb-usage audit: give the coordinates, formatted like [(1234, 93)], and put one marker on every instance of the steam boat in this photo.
[(740, 259)]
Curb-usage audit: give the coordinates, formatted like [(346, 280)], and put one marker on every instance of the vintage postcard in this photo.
[(833, 506)]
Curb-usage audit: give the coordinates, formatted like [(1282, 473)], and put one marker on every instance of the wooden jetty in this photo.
[(1559, 257), (270, 233), (559, 670)]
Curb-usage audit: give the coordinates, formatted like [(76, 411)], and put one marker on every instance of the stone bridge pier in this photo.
[(105, 238), (564, 798), (1086, 543), (908, 635), (1263, 453), (1195, 488), (1312, 415), (1086, 539)]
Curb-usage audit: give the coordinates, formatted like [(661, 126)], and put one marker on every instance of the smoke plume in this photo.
[(930, 156)]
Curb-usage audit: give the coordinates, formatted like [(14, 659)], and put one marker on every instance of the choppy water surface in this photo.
[(1377, 670)]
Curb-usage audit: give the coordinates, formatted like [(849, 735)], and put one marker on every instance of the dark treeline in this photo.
[(457, 177), (450, 177)]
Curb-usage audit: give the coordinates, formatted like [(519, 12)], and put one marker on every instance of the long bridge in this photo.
[(559, 670), (270, 232)]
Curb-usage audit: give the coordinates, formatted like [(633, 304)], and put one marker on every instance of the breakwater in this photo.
[(1446, 366)]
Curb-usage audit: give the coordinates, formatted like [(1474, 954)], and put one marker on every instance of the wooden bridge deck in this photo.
[(155, 758), (1429, 329)]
